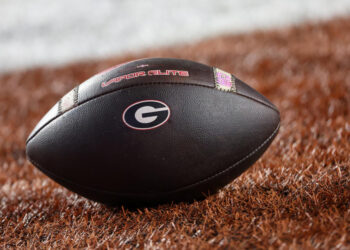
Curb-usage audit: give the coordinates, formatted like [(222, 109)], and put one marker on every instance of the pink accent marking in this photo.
[(224, 79)]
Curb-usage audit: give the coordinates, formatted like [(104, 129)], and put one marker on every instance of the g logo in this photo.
[(147, 114)]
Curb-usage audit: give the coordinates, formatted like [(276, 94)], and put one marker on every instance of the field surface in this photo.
[(296, 196)]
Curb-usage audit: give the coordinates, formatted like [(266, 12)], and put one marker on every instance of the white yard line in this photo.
[(40, 32)]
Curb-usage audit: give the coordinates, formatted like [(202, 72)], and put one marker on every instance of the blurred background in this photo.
[(295, 52), (37, 32)]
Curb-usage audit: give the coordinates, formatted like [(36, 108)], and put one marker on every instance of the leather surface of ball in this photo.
[(153, 130)]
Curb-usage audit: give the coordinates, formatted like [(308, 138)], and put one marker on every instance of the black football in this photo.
[(153, 130)]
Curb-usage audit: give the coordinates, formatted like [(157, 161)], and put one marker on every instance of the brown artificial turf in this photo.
[(296, 196)]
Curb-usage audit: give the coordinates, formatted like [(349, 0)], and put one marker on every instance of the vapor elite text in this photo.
[(157, 72)]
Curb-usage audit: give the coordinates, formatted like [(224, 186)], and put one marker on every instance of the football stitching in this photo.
[(76, 95)]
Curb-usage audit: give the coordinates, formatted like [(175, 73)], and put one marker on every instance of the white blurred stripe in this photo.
[(40, 32)]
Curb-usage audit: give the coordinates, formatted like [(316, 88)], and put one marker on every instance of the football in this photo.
[(153, 130)]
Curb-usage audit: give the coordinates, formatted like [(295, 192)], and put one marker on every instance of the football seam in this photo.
[(196, 84), (162, 193), (235, 164), (144, 84)]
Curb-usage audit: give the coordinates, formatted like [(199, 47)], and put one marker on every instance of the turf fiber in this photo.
[(296, 196)]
